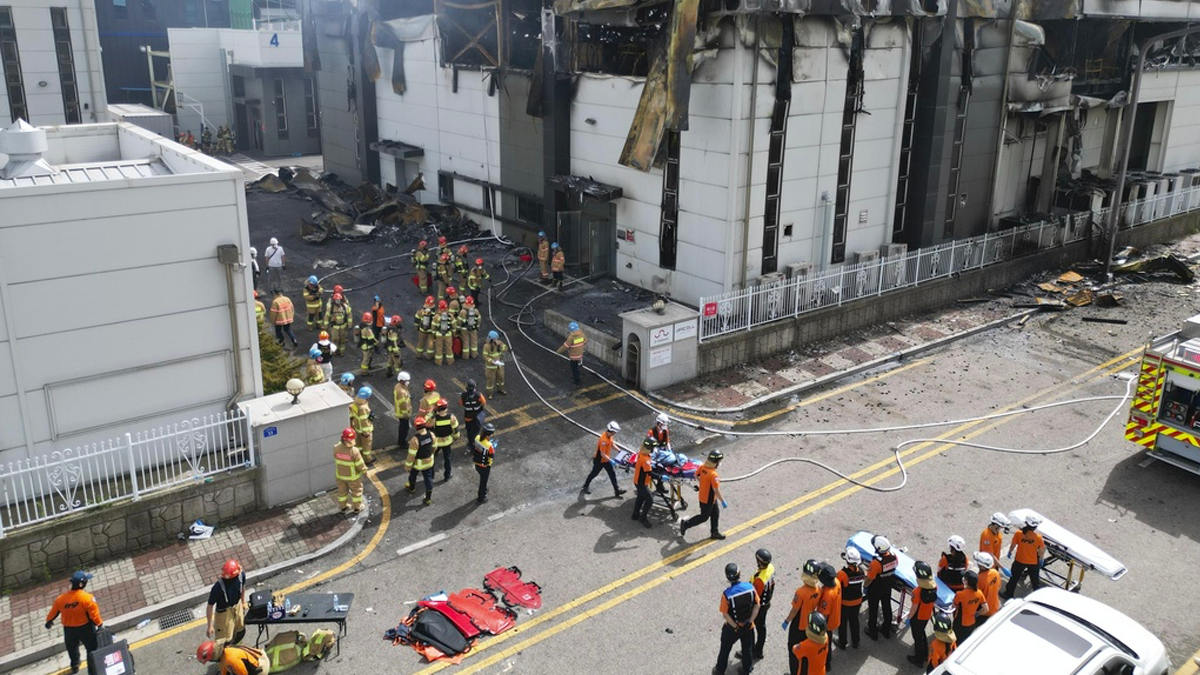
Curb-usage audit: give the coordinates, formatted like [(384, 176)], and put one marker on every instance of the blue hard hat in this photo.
[(554, 245), (493, 335), (347, 378), (365, 392), (312, 279), (377, 298), (314, 353), (541, 233), (80, 577), (573, 326)]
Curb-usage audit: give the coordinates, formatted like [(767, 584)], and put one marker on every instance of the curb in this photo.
[(131, 619), (833, 377)]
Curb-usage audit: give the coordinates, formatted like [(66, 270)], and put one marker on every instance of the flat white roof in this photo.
[(92, 173)]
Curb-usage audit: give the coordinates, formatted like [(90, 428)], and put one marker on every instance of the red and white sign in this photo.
[(710, 309)]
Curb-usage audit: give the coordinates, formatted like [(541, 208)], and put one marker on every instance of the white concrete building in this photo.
[(50, 54), (123, 303)]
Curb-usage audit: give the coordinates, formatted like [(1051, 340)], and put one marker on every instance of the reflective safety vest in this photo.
[(483, 452), (444, 268), (403, 402), (852, 577), (445, 430), (469, 319), (366, 336), (455, 307), (326, 352), (476, 278), (576, 344), (424, 318), (953, 566), (286, 650), (314, 374), (765, 578), (881, 585), (493, 350), (472, 404), (337, 314), (445, 324), (391, 338), (558, 262), (348, 463), (739, 599), (460, 265), (543, 249), (420, 457), (360, 417), (260, 311), (312, 298), (428, 402), (421, 259), (319, 644)]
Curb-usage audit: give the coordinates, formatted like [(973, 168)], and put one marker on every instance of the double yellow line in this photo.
[(1106, 368)]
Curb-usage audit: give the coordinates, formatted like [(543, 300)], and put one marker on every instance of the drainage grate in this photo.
[(175, 619)]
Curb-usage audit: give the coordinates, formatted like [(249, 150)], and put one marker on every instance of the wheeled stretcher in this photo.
[(906, 576), (671, 471)]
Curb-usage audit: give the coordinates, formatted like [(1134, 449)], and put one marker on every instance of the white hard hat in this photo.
[(274, 241), (853, 556), (1000, 520), (662, 419), (956, 543), (253, 252), (403, 376), (613, 427), (1032, 521), (881, 543), (984, 560)]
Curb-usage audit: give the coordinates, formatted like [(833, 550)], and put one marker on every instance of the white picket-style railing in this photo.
[(747, 308), (76, 479)]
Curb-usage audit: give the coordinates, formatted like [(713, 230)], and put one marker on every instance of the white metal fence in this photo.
[(767, 302), (76, 479)]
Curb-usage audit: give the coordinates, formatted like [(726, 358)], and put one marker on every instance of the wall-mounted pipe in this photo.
[(229, 256)]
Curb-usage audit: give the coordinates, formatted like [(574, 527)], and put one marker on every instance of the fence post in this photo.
[(133, 469), (880, 266), (749, 295), (245, 425)]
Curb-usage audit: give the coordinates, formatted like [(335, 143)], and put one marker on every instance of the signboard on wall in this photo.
[(710, 309), (662, 335), (660, 356), (685, 329)]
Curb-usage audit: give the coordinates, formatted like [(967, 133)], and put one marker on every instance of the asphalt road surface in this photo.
[(621, 598)]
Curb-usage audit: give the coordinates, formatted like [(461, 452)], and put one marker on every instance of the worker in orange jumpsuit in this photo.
[(989, 583), (806, 601), (80, 619), (711, 501), (1031, 548), (944, 642), (991, 540), (812, 653), (235, 660), (853, 578), (924, 601), (602, 459), (642, 475), (968, 603), (830, 605)]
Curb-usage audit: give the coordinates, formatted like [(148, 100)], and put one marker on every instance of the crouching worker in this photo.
[(234, 659)]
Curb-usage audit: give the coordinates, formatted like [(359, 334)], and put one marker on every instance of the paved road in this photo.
[(622, 598)]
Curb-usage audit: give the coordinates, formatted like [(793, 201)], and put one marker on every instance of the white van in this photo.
[(1053, 632)]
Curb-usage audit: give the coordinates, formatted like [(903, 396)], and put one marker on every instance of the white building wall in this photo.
[(39, 61), (113, 306), (1182, 137), (199, 72)]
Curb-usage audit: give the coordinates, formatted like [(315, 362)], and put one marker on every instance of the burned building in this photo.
[(693, 147)]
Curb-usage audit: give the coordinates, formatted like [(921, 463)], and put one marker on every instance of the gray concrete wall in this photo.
[(298, 140), (520, 145), (41, 552), (600, 345)]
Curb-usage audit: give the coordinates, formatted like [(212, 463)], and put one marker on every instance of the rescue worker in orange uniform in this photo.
[(602, 459), (924, 601), (575, 346), (420, 258), (445, 432), (235, 660), (1031, 549), (944, 641), (543, 256), (991, 540), (968, 603), (812, 653), (283, 313), (80, 619), (830, 605), (764, 584), (483, 453), (739, 608), (989, 583), (711, 501), (379, 316), (226, 610), (953, 563), (420, 459), (805, 603), (423, 320), (642, 476), (853, 578), (558, 262), (881, 578), (348, 470)]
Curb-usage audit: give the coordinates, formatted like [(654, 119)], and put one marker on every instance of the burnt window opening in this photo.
[(776, 150), (470, 34), (960, 129), (618, 50), (530, 211), (445, 188), (668, 229), (523, 31), (239, 86), (904, 169), (850, 108)]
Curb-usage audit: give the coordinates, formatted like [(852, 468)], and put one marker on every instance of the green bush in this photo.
[(278, 366)]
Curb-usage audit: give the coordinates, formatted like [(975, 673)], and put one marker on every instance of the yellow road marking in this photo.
[(1191, 666), (497, 640)]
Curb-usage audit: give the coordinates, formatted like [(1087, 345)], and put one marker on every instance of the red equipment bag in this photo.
[(481, 607), (416, 280), (457, 347), (461, 621), (512, 590)]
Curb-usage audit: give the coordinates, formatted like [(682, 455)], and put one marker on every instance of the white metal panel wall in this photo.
[(199, 73), (39, 62), (1183, 134)]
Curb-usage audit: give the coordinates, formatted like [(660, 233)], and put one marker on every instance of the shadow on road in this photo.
[(1152, 494)]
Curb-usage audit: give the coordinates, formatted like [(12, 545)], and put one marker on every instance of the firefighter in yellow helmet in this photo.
[(360, 421), (348, 469), (420, 459)]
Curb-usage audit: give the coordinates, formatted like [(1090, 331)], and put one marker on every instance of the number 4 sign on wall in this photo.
[(275, 39)]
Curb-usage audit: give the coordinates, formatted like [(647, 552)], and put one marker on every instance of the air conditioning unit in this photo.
[(866, 256), (893, 265), (802, 269), (772, 300), (893, 250), (1191, 182), (801, 275), (1149, 191), (1174, 200)]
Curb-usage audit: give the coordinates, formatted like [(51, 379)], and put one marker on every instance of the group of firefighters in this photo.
[(829, 600), (222, 146)]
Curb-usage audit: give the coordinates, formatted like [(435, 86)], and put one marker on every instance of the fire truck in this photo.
[(1165, 415)]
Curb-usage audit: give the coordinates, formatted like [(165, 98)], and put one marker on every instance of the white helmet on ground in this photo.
[(956, 543), (984, 560), (613, 427), (852, 555), (404, 376), (881, 543), (662, 419)]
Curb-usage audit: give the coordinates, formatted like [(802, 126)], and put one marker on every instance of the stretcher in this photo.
[(670, 470), (906, 576), (1065, 548)]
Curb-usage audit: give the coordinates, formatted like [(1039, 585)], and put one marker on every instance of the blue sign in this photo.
[(270, 431)]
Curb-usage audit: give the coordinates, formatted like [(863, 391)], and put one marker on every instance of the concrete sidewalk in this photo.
[(150, 584)]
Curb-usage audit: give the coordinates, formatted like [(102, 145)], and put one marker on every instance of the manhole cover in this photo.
[(175, 619)]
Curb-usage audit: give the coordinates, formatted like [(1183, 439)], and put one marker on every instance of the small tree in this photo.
[(277, 365)]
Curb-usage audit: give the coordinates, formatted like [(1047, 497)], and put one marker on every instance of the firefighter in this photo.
[(991, 540), (830, 605), (338, 319), (445, 274), (852, 577), (312, 303), (420, 258), (739, 608), (944, 641), (348, 470), (558, 262), (711, 501), (642, 474), (543, 256), (402, 400), (441, 249), (493, 363), (393, 343), (602, 459), (420, 459), (989, 583), (805, 602), (428, 400), (283, 313), (483, 453), (953, 563), (881, 578), (80, 619), (461, 266), (379, 320), (764, 583), (1031, 549), (424, 323), (924, 601), (235, 660), (476, 279), (469, 319), (360, 420), (260, 310), (346, 384), (365, 338), (812, 652), (327, 349), (226, 611), (312, 371), (473, 413), (445, 432), (968, 603), (444, 328), (575, 345), (453, 302)]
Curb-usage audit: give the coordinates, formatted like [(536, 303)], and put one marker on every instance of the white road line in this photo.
[(386, 403), (497, 516), (421, 544), (541, 379)]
